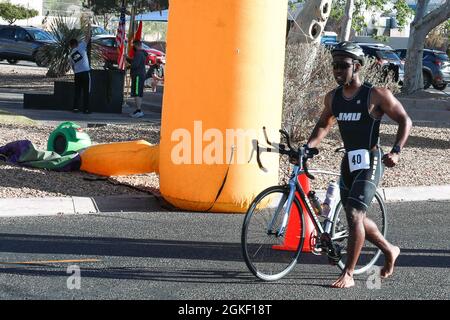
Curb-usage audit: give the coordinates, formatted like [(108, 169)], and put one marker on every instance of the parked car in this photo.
[(97, 30), (158, 45), (435, 68), (329, 44), (374, 44), (22, 43), (386, 58), (108, 48)]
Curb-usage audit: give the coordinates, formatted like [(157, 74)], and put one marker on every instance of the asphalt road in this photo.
[(175, 255)]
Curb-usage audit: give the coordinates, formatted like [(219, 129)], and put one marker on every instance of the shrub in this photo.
[(56, 55)]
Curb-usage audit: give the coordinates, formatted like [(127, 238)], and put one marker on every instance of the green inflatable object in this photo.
[(68, 138)]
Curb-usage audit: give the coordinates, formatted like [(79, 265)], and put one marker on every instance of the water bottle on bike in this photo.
[(329, 204), (315, 202)]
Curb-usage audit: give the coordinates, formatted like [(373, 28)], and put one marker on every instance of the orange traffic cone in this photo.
[(293, 231)]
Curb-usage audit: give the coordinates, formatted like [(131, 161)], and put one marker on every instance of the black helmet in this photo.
[(349, 49)]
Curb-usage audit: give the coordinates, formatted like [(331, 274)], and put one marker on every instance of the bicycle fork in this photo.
[(290, 200)]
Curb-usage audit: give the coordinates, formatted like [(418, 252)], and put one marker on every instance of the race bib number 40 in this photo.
[(358, 159)]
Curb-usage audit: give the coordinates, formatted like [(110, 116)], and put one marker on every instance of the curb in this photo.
[(14, 207), (55, 206), (416, 193)]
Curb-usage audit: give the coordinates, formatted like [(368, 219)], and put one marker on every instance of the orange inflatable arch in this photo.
[(224, 82)]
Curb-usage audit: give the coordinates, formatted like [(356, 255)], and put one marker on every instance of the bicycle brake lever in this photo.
[(258, 159), (312, 152), (265, 136), (286, 135)]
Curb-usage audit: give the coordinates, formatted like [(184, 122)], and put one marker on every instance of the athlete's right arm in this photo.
[(324, 124)]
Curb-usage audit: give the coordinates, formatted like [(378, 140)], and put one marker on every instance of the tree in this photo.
[(422, 24), (438, 38), (108, 8), (310, 22), (11, 13), (104, 8), (99, 7), (347, 21), (349, 14)]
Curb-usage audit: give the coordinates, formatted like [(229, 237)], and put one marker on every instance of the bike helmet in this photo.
[(349, 49)]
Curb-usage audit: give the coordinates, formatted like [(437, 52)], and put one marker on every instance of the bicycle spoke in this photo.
[(259, 245)]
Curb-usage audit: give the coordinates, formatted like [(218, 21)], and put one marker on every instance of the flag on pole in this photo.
[(120, 38), (137, 37), (131, 30)]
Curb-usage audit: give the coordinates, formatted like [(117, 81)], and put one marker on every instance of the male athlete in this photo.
[(358, 108)]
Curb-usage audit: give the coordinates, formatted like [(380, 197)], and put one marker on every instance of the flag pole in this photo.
[(125, 78), (131, 31)]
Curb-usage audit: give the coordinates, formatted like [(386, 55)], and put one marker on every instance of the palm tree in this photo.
[(56, 55)]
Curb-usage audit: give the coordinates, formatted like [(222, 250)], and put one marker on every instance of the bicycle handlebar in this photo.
[(300, 156)]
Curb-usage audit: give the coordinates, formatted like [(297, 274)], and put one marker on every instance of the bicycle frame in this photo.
[(296, 188)]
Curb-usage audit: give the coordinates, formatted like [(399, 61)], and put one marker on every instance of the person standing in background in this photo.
[(82, 70), (138, 75)]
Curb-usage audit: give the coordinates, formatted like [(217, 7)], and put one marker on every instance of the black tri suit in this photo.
[(361, 167)]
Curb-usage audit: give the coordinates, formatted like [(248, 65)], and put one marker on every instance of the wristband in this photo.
[(396, 149)]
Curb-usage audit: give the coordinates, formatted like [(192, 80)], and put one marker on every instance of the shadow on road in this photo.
[(168, 249)]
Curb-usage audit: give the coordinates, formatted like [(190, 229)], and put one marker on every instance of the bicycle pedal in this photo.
[(317, 251)]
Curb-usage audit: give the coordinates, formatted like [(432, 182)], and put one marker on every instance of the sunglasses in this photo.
[(341, 65)]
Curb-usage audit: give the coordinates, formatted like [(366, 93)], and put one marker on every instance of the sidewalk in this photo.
[(54, 206), (13, 102), (17, 207), (428, 106)]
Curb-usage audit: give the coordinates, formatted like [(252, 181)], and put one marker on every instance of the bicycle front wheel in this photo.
[(369, 253), (269, 255)]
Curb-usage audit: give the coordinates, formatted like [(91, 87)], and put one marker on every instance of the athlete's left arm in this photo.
[(394, 109)]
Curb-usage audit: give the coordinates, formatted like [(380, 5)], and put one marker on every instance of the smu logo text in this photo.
[(343, 116)]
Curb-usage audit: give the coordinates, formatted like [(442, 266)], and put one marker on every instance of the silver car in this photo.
[(22, 43)]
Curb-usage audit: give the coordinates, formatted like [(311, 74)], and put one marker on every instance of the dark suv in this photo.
[(435, 68), (385, 57), (22, 43)]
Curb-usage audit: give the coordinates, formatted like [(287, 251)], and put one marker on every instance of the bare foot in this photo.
[(388, 269), (344, 281)]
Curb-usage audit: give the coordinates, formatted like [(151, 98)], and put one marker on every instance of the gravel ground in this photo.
[(17, 181), (423, 162), (23, 78)]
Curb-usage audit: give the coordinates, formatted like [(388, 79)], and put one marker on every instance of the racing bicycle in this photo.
[(267, 221)]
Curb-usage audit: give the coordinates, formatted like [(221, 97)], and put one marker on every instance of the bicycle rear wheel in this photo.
[(260, 246), (369, 253)]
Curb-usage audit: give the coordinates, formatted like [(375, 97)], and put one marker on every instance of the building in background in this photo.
[(47, 10)]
